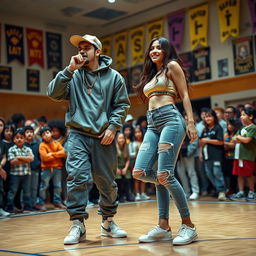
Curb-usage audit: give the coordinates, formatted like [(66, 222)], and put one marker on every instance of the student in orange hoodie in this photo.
[(51, 154)]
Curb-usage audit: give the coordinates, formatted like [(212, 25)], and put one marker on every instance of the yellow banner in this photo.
[(198, 24), (137, 45), (106, 45), (121, 49), (155, 29), (228, 12)]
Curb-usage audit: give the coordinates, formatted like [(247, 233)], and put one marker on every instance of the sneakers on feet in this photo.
[(194, 196), (3, 213), (156, 234), (143, 196), (111, 229), (137, 197), (251, 196), (222, 196), (239, 196), (76, 234), (186, 235)]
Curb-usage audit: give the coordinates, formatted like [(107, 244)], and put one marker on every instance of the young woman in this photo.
[(163, 81)]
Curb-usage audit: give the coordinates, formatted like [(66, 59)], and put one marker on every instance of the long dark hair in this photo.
[(150, 69)]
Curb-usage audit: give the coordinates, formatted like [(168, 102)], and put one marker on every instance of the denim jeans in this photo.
[(166, 126), (46, 176), (34, 186), (214, 172)]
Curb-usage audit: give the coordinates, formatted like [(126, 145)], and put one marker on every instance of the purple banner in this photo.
[(252, 8), (176, 22)]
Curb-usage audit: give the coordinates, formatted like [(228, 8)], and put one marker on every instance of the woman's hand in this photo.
[(191, 131)]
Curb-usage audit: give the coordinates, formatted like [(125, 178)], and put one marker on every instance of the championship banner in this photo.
[(125, 75), (137, 45), (106, 45), (243, 55), (252, 8), (198, 24), (176, 23), (155, 29), (201, 64), (187, 61), (5, 78), (33, 80), (135, 74), (35, 47), (121, 49), (228, 12), (14, 43), (54, 50)]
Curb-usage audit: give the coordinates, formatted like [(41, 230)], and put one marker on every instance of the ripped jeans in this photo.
[(162, 141)]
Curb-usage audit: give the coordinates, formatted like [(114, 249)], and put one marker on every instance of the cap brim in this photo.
[(76, 39)]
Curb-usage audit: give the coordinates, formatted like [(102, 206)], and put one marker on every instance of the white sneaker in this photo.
[(76, 234), (143, 196), (137, 197), (4, 213), (194, 196), (222, 196), (186, 235), (156, 234), (111, 229)]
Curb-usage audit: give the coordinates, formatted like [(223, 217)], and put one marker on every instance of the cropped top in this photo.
[(161, 86)]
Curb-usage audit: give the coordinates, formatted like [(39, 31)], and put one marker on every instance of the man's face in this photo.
[(229, 113), (86, 49)]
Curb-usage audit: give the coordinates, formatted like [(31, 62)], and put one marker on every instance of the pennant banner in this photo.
[(176, 24), (228, 12), (120, 50), (201, 64), (252, 8), (187, 60), (106, 45), (5, 78), (14, 43), (198, 24), (243, 55), (155, 29), (137, 45), (35, 47), (33, 80), (54, 50)]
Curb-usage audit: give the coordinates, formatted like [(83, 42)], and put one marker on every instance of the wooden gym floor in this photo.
[(225, 228)]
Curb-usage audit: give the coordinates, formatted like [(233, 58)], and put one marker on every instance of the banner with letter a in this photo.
[(155, 29), (106, 45), (228, 12), (198, 24), (137, 45), (121, 50)]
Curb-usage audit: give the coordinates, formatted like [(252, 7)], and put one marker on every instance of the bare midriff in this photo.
[(158, 101)]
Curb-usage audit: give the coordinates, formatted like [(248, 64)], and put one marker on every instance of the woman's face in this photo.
[(138, 134), (209, 119), (156, 54), (230, 127), (8, 134), (245, 119), (1, 126), (120, 140)]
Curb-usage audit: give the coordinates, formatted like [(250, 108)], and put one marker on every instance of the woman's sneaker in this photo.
[(156, 234), (239, 196), (76, 234), (251, 196), (111, 229), (143, 196), (186, 235)]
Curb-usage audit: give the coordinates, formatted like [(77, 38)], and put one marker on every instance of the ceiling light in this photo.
[(111, 1)]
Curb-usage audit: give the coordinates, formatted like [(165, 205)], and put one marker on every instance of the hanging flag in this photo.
[(106, 45), (187, 61), (54, 50), (252, 8), (176, 22), (14, 43), (155, 29), (35, 47), (120, 50), (5, 78), (228, 12), (137, 45), (198, 24)]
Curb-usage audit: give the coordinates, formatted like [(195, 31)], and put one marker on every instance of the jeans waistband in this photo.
[(156, 110)]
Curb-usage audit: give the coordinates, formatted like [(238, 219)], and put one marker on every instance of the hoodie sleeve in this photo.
[(120, 105), (58, 88)]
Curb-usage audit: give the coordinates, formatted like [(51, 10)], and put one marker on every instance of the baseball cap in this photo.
[(128, 118), (76, 39)]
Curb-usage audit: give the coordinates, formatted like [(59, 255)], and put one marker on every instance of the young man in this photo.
[(98, 104)]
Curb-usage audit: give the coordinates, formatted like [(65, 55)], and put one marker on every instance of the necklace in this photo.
[(88, 84)]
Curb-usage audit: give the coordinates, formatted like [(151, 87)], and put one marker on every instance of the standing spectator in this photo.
[(220, 114), (142, 122), (18, 120), (230, 112)]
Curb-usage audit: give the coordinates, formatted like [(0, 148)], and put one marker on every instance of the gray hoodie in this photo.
[(91, 114)]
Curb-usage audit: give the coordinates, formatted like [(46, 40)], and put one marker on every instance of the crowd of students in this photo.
[(221, 162)]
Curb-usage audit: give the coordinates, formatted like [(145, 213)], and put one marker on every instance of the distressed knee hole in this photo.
[(137, 173), (163, 178), (144, 146), (163, 147)]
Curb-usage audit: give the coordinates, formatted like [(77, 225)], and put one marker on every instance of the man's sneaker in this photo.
[(251, 196), (239, 196), (222, 196), (193, 196), (76, 234), (156, 234), (143, 196), (186, 235), (111, 229), (137, 197), (3, 213)]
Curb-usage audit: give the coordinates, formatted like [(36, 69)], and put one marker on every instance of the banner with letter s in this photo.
[(120, 50), (137, 45), (155, 29)]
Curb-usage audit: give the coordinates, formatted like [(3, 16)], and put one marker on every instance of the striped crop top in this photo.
[(161, 86)]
